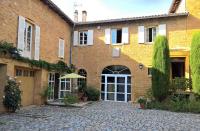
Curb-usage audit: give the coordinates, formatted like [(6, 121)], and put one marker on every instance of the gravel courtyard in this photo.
[(104, 116)]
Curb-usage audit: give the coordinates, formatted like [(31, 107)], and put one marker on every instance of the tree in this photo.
[(160, 68), (195, 63)]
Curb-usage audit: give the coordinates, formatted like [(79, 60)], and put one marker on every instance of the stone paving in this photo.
[(105, 116)]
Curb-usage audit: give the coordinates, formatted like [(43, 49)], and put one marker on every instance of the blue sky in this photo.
[(110, 9)]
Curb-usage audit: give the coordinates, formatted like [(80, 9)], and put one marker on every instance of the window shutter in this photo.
[(125, 35), (107, 36), (37, 43), (90, 37), (140, 34), (61, 52), (21, 29), (162, 29), (75, 41), (146, 35)]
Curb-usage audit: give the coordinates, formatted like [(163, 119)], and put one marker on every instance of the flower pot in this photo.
[(142, 105), (85, 99)]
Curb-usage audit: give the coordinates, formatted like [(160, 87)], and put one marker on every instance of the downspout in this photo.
[(71, 44)]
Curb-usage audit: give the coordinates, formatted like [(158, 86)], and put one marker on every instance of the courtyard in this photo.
[(105, 116)]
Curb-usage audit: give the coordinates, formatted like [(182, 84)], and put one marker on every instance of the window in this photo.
[(83, 37), (150, 34), (82, 82), (116, 36), (149, 71), (18, 72), (26, 73), (32, 73), (28, 36), (65, 87)]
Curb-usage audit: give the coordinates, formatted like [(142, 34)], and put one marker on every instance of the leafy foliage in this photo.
[(195, 62), (12, 99), (70, 99), (8, 49), (142, 100), (160, 68), (176, 105), (181, 84), (92, 94)]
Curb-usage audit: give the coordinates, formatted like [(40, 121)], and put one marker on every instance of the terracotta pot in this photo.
[(85, 99), (142, 105)]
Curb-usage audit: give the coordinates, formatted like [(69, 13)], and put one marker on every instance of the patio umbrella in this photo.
[(72, 76)]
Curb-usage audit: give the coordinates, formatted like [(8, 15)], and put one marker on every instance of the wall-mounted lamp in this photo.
[(141, 66)]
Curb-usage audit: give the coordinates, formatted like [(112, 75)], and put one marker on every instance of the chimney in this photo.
[(76, 16), (84, 16)]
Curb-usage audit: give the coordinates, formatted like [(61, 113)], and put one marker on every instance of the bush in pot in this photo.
[(92, 94), (12, 98), (70, 99), (142, 101)]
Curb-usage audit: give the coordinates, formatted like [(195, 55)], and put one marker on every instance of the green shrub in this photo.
[(194, 106), (70, 99), (92, 94), (176, 104), (195, 62), (142, 101), (12, 98), (160, 68)]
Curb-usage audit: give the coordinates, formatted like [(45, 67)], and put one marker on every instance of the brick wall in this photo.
[(52, 26)]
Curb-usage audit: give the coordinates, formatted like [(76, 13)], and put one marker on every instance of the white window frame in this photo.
[(153, 37), (51, 85), (116, 36), (83, 38), (65, 90), (27, 52)]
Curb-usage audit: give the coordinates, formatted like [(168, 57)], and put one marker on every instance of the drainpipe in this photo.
[(71, 44)]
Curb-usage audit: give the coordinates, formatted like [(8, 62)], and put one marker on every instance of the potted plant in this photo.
[(142, 102)]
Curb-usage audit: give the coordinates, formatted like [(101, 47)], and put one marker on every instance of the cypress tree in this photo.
[(160, 68), (195, 63)]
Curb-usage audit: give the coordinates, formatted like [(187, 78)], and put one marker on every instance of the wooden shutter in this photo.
[(37, 43), (162, 29), (107, 36), (21, 29), (90, 37), (75, 41), (140, 34), (61, 52), (125, 35)]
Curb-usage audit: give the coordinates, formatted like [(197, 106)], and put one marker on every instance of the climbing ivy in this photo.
[(8, 50)]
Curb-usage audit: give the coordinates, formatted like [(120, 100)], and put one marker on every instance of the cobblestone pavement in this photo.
[(106, 116)]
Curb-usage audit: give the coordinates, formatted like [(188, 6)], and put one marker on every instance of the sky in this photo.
[(111, 9)]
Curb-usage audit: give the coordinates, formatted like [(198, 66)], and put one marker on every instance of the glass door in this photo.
[(110, 88), (64, 87), (116, 88), (121, 89), (51, 85)]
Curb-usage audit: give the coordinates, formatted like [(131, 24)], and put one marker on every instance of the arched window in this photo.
[(117, 69), (82, 82)]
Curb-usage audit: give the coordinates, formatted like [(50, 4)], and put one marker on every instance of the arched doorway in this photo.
[(116, 83)]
